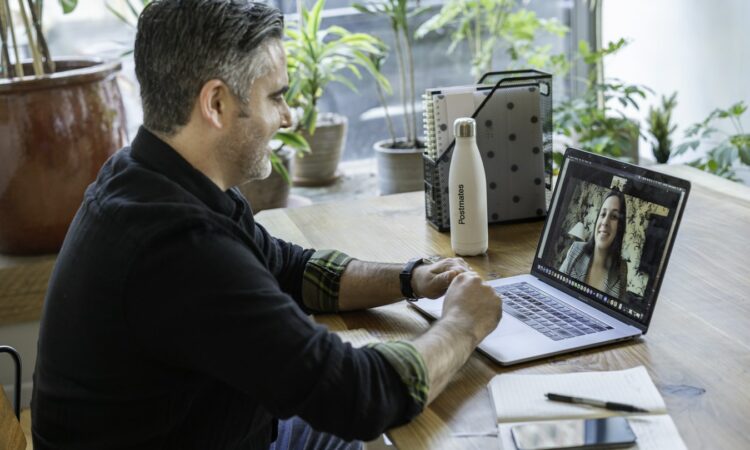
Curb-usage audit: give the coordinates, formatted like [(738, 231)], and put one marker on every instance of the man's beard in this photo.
[(247, 155)]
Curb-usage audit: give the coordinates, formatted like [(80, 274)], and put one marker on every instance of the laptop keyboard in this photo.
[(547, 315)]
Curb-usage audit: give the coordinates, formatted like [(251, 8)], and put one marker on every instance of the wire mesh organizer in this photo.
[(513, 112)]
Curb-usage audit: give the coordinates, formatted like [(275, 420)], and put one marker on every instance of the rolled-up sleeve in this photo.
[(320, 292), (409, 365), (322, 280)]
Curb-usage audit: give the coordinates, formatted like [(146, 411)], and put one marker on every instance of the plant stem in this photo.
[(35, 54), (737, 125), (402, 74), (471, 39), (497, 20), (19, 67), (36, 14), (388, 121), (412, 90), (478, 32), (597, 48), (7, 68)]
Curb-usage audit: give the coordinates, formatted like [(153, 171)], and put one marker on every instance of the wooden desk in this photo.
[(697, 349)]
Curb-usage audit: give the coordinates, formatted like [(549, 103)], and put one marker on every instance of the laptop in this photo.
[(598, 266)]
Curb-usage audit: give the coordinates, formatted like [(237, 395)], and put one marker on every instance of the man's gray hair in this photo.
[(182, 44)]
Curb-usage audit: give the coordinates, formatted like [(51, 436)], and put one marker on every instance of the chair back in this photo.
[(11, 433)]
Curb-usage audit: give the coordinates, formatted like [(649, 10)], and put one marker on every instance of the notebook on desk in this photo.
[(521, 399), (598, 266)]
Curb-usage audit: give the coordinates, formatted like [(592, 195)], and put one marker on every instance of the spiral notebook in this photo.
[(510, 136)]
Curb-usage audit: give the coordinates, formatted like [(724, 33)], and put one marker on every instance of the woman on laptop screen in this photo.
[(598, 262)]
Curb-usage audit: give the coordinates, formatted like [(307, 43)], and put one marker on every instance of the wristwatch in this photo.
[(405, 278)]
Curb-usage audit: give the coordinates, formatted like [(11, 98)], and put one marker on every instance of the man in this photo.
[(173, 320)]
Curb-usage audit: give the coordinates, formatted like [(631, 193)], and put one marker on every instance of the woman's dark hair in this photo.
[(615, 250)]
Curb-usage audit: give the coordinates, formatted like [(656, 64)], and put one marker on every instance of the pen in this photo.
[(613, 406)]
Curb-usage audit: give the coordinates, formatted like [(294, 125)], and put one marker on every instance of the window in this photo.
[(433, 67), (92, 30)]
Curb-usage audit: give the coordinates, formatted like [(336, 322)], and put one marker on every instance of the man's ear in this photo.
[(214, 103)]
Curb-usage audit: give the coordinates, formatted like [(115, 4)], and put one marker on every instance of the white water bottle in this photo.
[(467, 192)]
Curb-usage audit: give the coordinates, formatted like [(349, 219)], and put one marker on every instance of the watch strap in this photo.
[(405, 277)]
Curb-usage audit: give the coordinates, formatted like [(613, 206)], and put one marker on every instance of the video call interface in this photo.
[(610, 252)]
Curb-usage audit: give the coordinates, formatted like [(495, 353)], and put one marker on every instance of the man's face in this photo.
[(246, 148)]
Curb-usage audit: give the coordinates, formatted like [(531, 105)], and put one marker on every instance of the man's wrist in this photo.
[(406, 278), (460, 331), (414, 282)]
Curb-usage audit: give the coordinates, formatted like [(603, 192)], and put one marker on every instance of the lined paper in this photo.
[(519, 398)]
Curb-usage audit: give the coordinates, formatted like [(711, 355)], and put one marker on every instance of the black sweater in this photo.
[(173, 320)]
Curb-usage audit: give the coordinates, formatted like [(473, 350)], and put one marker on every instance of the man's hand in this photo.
[(432, 280), (471, 310), (472, 306)]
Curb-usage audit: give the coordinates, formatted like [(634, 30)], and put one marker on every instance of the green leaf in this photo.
[(364, 9), (724, 154), (344, 81), (738, 109), (68, 5), (314, 18), (583, 48), (293, 140), (312, 121), (557, 159), (353, 69), (418, 11), (554, 26), (279, 167), (744, 154), (315, 57)]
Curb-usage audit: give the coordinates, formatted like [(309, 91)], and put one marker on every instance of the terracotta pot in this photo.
[(272, 192), (399, 169), (57, 131), (318, 168)]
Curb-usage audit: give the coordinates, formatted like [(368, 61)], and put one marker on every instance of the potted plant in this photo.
[(61, 120), (487, 24), (661, 128), (316, 57), (725, 155), (483, 24), (400, 166), (273, 192), (591, 121)]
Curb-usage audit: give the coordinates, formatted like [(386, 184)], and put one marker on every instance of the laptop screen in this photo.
[(609, 233)]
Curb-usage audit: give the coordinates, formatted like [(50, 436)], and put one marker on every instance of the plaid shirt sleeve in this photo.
[(322, 279), (320, 292), (409, 365)]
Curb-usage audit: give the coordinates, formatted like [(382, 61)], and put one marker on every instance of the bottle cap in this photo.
[(464, 127)]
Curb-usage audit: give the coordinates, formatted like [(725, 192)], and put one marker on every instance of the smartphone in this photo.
[(610, 432)]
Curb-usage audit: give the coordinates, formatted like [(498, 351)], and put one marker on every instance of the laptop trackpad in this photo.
[(510, 325)]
